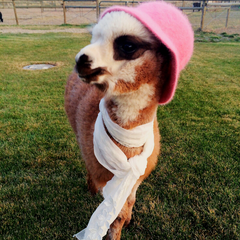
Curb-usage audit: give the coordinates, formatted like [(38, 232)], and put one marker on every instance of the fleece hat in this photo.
[(173, 29)]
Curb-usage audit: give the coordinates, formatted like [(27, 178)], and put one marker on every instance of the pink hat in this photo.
[(173, 29)]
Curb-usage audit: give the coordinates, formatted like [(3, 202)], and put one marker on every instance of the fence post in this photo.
[(64, 13), (97, 9), (15, 11), (228, 13), (183, 3), (203, 14), (42, 9)]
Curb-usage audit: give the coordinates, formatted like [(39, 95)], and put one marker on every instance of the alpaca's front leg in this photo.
[(91, 186), (131, 201), (124, 216), (114, 233)]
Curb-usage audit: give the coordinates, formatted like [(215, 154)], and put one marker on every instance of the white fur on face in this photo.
[(101, 51), (101, 54)]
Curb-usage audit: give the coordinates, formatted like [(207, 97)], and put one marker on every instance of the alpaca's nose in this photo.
[(82, 59), (82, 63), (83, 68)]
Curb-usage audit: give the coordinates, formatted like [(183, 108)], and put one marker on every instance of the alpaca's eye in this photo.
[(128, 47)]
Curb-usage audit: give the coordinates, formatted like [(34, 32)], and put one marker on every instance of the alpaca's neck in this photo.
[(133, 109)]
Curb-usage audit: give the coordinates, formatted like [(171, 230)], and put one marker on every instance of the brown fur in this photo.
[(81, 104)]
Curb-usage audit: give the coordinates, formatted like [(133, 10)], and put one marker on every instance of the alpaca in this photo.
[(131, 70)]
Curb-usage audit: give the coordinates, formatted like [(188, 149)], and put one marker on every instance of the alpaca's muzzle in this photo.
[(84, 70)]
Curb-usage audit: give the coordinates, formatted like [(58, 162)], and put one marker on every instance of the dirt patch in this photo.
[(22, 30), (229, 30), (36, 17)]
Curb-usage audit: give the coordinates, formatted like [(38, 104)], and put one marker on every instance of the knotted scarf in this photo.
[(126, 171)]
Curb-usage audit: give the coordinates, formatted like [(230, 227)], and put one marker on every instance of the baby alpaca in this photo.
[(132, 64)]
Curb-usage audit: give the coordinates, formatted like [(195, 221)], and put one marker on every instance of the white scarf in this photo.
[(126, 171)]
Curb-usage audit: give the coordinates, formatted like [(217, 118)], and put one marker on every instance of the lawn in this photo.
[(194, 193)]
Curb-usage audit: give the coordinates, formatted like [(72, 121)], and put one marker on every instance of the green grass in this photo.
[(214, 37), (194, 193)]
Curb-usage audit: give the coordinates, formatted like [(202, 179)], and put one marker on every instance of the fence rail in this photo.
[(188, 6)]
